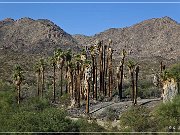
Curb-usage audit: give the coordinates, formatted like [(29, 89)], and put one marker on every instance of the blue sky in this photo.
[(89, 19)]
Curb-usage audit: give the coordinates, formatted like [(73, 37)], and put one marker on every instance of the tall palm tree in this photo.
[(87, 82), (42, 68), (92, 51), (121, 70), (68, 57), (60, 64), (100, 50), (110, 78), (38, 73), (131, 67), (136, 85), (71, 70), (18, 78), (53, 62), (78, 78)]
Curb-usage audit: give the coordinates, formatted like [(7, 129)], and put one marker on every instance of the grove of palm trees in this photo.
[(93, 87)]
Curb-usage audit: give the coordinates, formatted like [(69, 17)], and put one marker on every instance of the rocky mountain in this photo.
[(147, 42), (157, 37), (34, 36)]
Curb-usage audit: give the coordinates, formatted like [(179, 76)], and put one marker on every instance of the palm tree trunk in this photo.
[(54, 82), (121, 79), (61, 81), (38, 86), (136, 86), (78, 89), (132, 81), (19, 94), (66, 80), (106, 73), (72, 83), (42, 89), (93, 79), (87, 100)]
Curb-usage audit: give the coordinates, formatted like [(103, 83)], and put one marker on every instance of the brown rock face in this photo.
[(150, 38), (34, 36)]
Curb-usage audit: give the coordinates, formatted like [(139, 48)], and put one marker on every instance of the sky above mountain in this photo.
[(90, 18)]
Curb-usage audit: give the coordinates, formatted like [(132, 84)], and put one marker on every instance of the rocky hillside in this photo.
[(150, 38), (34, 36), (148, 42)]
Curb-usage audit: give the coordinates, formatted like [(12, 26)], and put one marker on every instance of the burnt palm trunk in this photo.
[(87, 99), (66, 79), (104, 73), (54, 82), (121, 79), (136, 85), (100, 64), (72, 83), (78, 89), (93, 79), (38, 81)]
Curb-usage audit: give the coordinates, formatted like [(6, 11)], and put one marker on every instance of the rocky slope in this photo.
[(150, 38), (34, 36)]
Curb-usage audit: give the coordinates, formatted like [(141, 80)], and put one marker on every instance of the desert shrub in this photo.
[(85, 126), (168, 114), (137, 119), (111, 114), (49, 120)]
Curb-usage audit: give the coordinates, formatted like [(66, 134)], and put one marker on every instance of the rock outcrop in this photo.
[(170, 89)]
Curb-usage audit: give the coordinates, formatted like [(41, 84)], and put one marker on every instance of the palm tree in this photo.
[(68, 57), (136, 84), (42, 67), (60, 64), (53, 62), (87, 82), (92, 51), (71, 70), (38, 73), (78, 78), (131, 67), (100, 49), (121, 70), (18, 78), (110, 79)]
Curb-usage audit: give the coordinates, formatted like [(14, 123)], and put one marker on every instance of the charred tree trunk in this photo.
[(66, 79), (95, 80), (38, 81), (136, 86), (87, 99)]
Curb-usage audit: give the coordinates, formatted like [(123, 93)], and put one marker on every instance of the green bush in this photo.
[(168, 114), (137, 119), (85, 126)]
